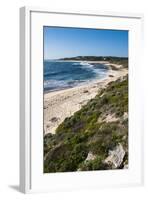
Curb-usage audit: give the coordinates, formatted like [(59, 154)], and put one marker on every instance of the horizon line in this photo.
[(83, 56)]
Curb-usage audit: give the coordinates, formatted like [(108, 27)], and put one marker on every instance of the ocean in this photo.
[(64, 74)]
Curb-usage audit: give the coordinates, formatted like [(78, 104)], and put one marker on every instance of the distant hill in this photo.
[(112, 59), (95, 58)]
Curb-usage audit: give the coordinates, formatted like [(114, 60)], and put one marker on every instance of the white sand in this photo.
[(61, 104)]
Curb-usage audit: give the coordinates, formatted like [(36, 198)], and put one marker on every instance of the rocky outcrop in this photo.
[(125, 116), (125, 167), (90, 156), (110, 118), (116, 156)]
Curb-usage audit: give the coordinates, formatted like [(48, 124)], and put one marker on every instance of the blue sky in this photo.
[(70, 42)]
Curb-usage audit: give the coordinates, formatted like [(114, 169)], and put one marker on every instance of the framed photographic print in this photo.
[(81, 101)]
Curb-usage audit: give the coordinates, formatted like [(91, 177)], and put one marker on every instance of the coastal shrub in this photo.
[(96, 164), (65, 158)]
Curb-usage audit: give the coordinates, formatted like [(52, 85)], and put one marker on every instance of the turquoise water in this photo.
[(62, 74)]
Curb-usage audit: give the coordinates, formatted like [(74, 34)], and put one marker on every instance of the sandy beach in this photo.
[(61, 104)]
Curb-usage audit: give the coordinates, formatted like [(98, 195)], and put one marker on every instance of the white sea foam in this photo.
[(64, 79), (99, 72), (76, 63), (85, 63), (54, 83)]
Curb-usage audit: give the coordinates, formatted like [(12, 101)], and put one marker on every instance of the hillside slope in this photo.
[(95, 137)]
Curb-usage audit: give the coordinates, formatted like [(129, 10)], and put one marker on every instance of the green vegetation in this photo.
[(111, 59), (95, 164), (88, 131), (123, 62)]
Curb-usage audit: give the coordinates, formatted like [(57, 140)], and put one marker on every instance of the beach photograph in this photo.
[(85, 99)]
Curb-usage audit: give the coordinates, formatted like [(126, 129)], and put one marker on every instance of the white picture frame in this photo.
[(32, 178)]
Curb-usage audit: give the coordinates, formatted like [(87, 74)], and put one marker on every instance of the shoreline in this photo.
[(64, 103), (106, 63)]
